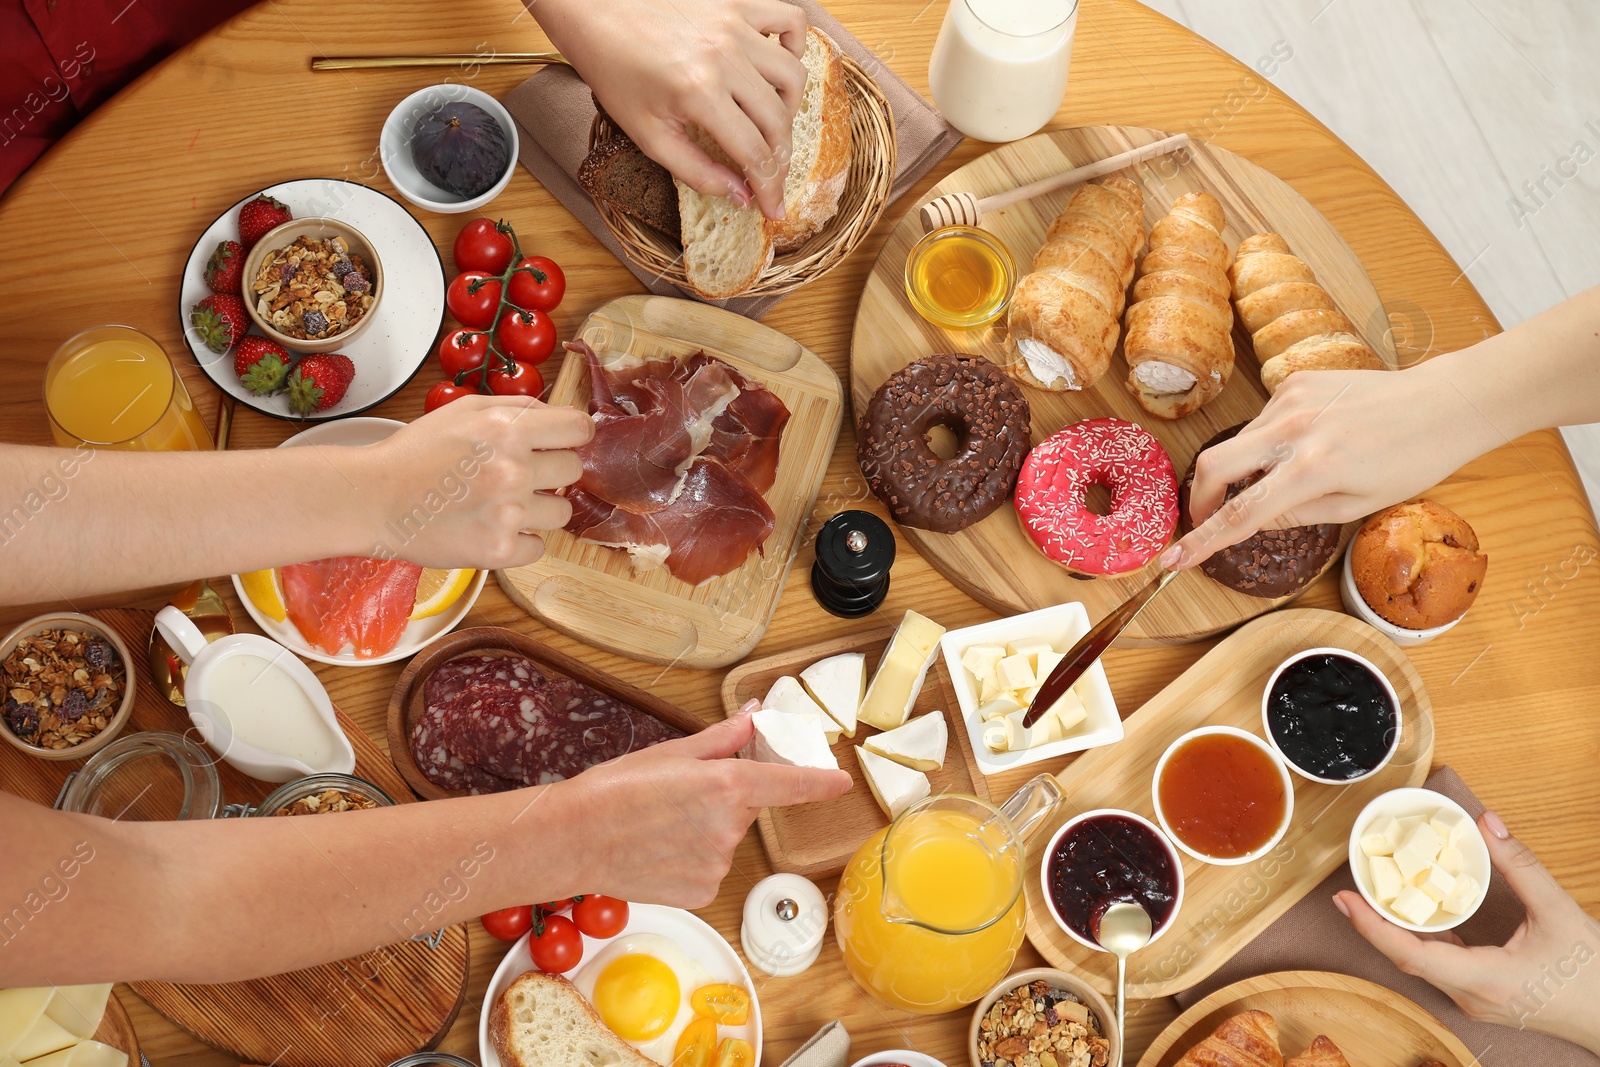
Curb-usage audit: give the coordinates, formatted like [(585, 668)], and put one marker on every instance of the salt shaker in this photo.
[(785, 917)]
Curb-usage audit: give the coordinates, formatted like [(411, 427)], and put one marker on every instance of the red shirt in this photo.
[(59, 59)]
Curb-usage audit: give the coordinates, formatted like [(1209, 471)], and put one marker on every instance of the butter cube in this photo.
[(1048, 661), (1382, 837), (1386, 880), (1452, 860), (1407, 823), (991, 689), (999, 707), (1462, 896), (1418, 851), (1448, 825), (1414, 906), (1436, 882), (1027, 696), (981, 660), (1016, 671), (1032, 649), (1069, 712)]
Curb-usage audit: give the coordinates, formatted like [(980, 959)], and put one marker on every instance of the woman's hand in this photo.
[(660, 66), (1546, 978)]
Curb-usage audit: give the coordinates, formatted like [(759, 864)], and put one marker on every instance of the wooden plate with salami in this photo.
[(993, 560), (407, 704)]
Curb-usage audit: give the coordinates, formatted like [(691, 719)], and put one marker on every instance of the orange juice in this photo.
[(114, 387)]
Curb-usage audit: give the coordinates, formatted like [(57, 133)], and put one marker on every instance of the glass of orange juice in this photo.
[(114, 387)]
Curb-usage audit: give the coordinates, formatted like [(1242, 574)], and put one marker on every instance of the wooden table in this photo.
[(98, 232)]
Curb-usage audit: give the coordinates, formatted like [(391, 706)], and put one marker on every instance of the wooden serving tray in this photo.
[(817, 840), (116, 1030), (994, 561), (388, 1003), (1373, 1026), (406, 703), (1226, 907), (593, 593)]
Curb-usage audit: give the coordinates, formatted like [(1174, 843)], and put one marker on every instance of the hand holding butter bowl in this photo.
[(1136, 387)]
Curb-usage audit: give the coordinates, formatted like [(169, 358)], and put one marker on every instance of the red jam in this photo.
[(1105, 860)]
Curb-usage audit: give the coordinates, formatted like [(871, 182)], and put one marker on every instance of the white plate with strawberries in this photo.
[(382, 359)]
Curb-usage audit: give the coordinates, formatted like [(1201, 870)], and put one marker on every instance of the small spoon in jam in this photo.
[(1124, 930)]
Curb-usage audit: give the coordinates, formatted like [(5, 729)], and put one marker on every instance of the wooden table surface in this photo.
[(98, 232)]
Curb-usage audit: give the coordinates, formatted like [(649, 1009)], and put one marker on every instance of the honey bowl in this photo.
[(1223, 795), (960, 277)]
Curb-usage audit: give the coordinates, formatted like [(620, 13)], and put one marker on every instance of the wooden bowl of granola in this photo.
[(1083, 1019), (298, 287), (65, 697)]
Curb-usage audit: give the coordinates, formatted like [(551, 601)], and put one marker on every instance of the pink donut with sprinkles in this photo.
[(1124, 458)]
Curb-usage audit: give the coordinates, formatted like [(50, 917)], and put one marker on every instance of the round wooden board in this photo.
[(1373, 1026), (994, 561), (116, 1030)]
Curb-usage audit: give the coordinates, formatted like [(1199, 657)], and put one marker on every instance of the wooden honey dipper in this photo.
[(964, 209)]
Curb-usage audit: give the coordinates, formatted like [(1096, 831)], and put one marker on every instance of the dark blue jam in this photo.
[(1106, 860), (1332, 717)]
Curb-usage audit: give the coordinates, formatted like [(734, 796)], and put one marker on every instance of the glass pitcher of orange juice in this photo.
[(929, 912)]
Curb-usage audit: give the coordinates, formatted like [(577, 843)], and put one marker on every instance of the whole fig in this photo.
[(460, 148)]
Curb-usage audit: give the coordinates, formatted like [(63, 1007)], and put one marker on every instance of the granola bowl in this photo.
[(312, 245), (1053, 988), (95, 726)]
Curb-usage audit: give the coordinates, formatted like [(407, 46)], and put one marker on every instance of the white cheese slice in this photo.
[(1462, 896), (1382, 837), (894, 787), (44, 1036), (83, 1054), (839, 683), (920, 744), (79, 1008), (1386, 880), (1016, 671), (19, 1010), (1418, 851), (1414, 906), (793, 740), (981, 660), (900, 674), (789, 697)]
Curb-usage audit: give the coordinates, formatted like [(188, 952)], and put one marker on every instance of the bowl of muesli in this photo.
[(1044, 1018), (313, 284), (68, 686)]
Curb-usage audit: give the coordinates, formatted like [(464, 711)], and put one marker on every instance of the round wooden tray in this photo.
[(994, 561), (116, 1030), (1373, 1026)]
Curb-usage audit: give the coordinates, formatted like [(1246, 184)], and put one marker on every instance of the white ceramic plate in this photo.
[(419, 633), (388, 353), (698, 940)]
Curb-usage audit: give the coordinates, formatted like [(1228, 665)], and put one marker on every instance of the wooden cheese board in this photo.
[(1224, 908), (406, 702), (993, 561), (1373, 1026), (817, 840), (594, 593), (116, 1030), (388, 1002)]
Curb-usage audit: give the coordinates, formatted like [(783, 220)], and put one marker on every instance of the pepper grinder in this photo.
[(785, 917), (855, 551)]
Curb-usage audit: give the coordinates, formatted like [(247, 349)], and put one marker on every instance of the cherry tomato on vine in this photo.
[(471, 306), (508, 924), (555, 944), (537, 284), (480, 246), (526, 335), (523, 379), (444, 392), (600, 916), (464, 350), (557, 905)]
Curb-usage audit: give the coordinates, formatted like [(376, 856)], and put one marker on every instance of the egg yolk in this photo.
[(637, 996)]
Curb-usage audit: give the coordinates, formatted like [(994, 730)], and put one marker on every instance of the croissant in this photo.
[(1292, 319), (1180, 326), (1322, 1053), (1247, 1040), (1064, 317)]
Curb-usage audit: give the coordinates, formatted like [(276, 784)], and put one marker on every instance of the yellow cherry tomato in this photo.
[(735, 1052), (727, 1004), (697, 1044)]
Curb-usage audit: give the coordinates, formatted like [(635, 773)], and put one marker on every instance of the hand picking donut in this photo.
[(973, 399), (1123, 457)]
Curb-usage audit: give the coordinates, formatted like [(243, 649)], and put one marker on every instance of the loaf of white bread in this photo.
[(1065, 315), (541, 1020), (727, 247), (1292, 320)]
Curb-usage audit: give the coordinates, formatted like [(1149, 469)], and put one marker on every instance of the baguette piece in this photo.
[(820, 142), (541, 1020), (725, 246)]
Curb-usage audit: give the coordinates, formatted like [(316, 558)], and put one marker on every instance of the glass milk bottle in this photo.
[(999, 67)]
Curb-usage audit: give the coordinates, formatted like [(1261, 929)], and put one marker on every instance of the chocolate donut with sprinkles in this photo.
[(1053, 505), (975, 401)]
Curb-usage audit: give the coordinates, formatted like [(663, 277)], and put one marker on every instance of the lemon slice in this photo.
[(262, 589), (438, 589)]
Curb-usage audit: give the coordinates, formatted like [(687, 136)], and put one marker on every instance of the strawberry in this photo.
[(220, 320), (261, 364), (225, 268), (258, 216), (319, 382)]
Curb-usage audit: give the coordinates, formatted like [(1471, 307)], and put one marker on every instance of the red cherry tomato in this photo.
[(537, 284), (523, 379), (526, 335), (557, 905), (555, 944), (481, 246), (508, 924), (444, 392), (473, 298), (462, 351), (600, 916)]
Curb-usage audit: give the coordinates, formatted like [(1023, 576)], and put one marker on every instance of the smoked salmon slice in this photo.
[(351, 600)]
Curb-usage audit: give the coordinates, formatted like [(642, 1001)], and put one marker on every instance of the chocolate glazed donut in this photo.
[(1267, 564), (974, 400)]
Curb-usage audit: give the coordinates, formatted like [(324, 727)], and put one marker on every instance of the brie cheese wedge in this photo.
[(790, 739), (894, 787), (920, 744), (901, 672), (788, 696), (839, 683)]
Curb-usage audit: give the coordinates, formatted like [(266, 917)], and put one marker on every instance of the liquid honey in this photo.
[(959, 277)]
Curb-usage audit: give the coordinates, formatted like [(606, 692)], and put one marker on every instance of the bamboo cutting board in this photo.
[(361, 1012), (593, 593), (1224, 908), (994, 561)]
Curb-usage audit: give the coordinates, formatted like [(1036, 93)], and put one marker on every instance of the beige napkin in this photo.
[(828, 1047), (553, 111), (1313, 936)]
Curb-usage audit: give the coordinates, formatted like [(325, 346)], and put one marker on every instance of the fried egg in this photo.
[(640, 986)]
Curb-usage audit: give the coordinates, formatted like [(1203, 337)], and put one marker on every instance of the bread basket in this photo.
[(866, 194)]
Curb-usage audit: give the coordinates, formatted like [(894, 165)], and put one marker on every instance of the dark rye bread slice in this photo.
[(619, 173)]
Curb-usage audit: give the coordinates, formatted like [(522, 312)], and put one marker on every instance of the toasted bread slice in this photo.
[(819, 158), (542, 1021)]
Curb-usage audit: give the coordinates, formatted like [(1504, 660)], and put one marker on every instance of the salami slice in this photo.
[(444, 769), (452, 676)]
